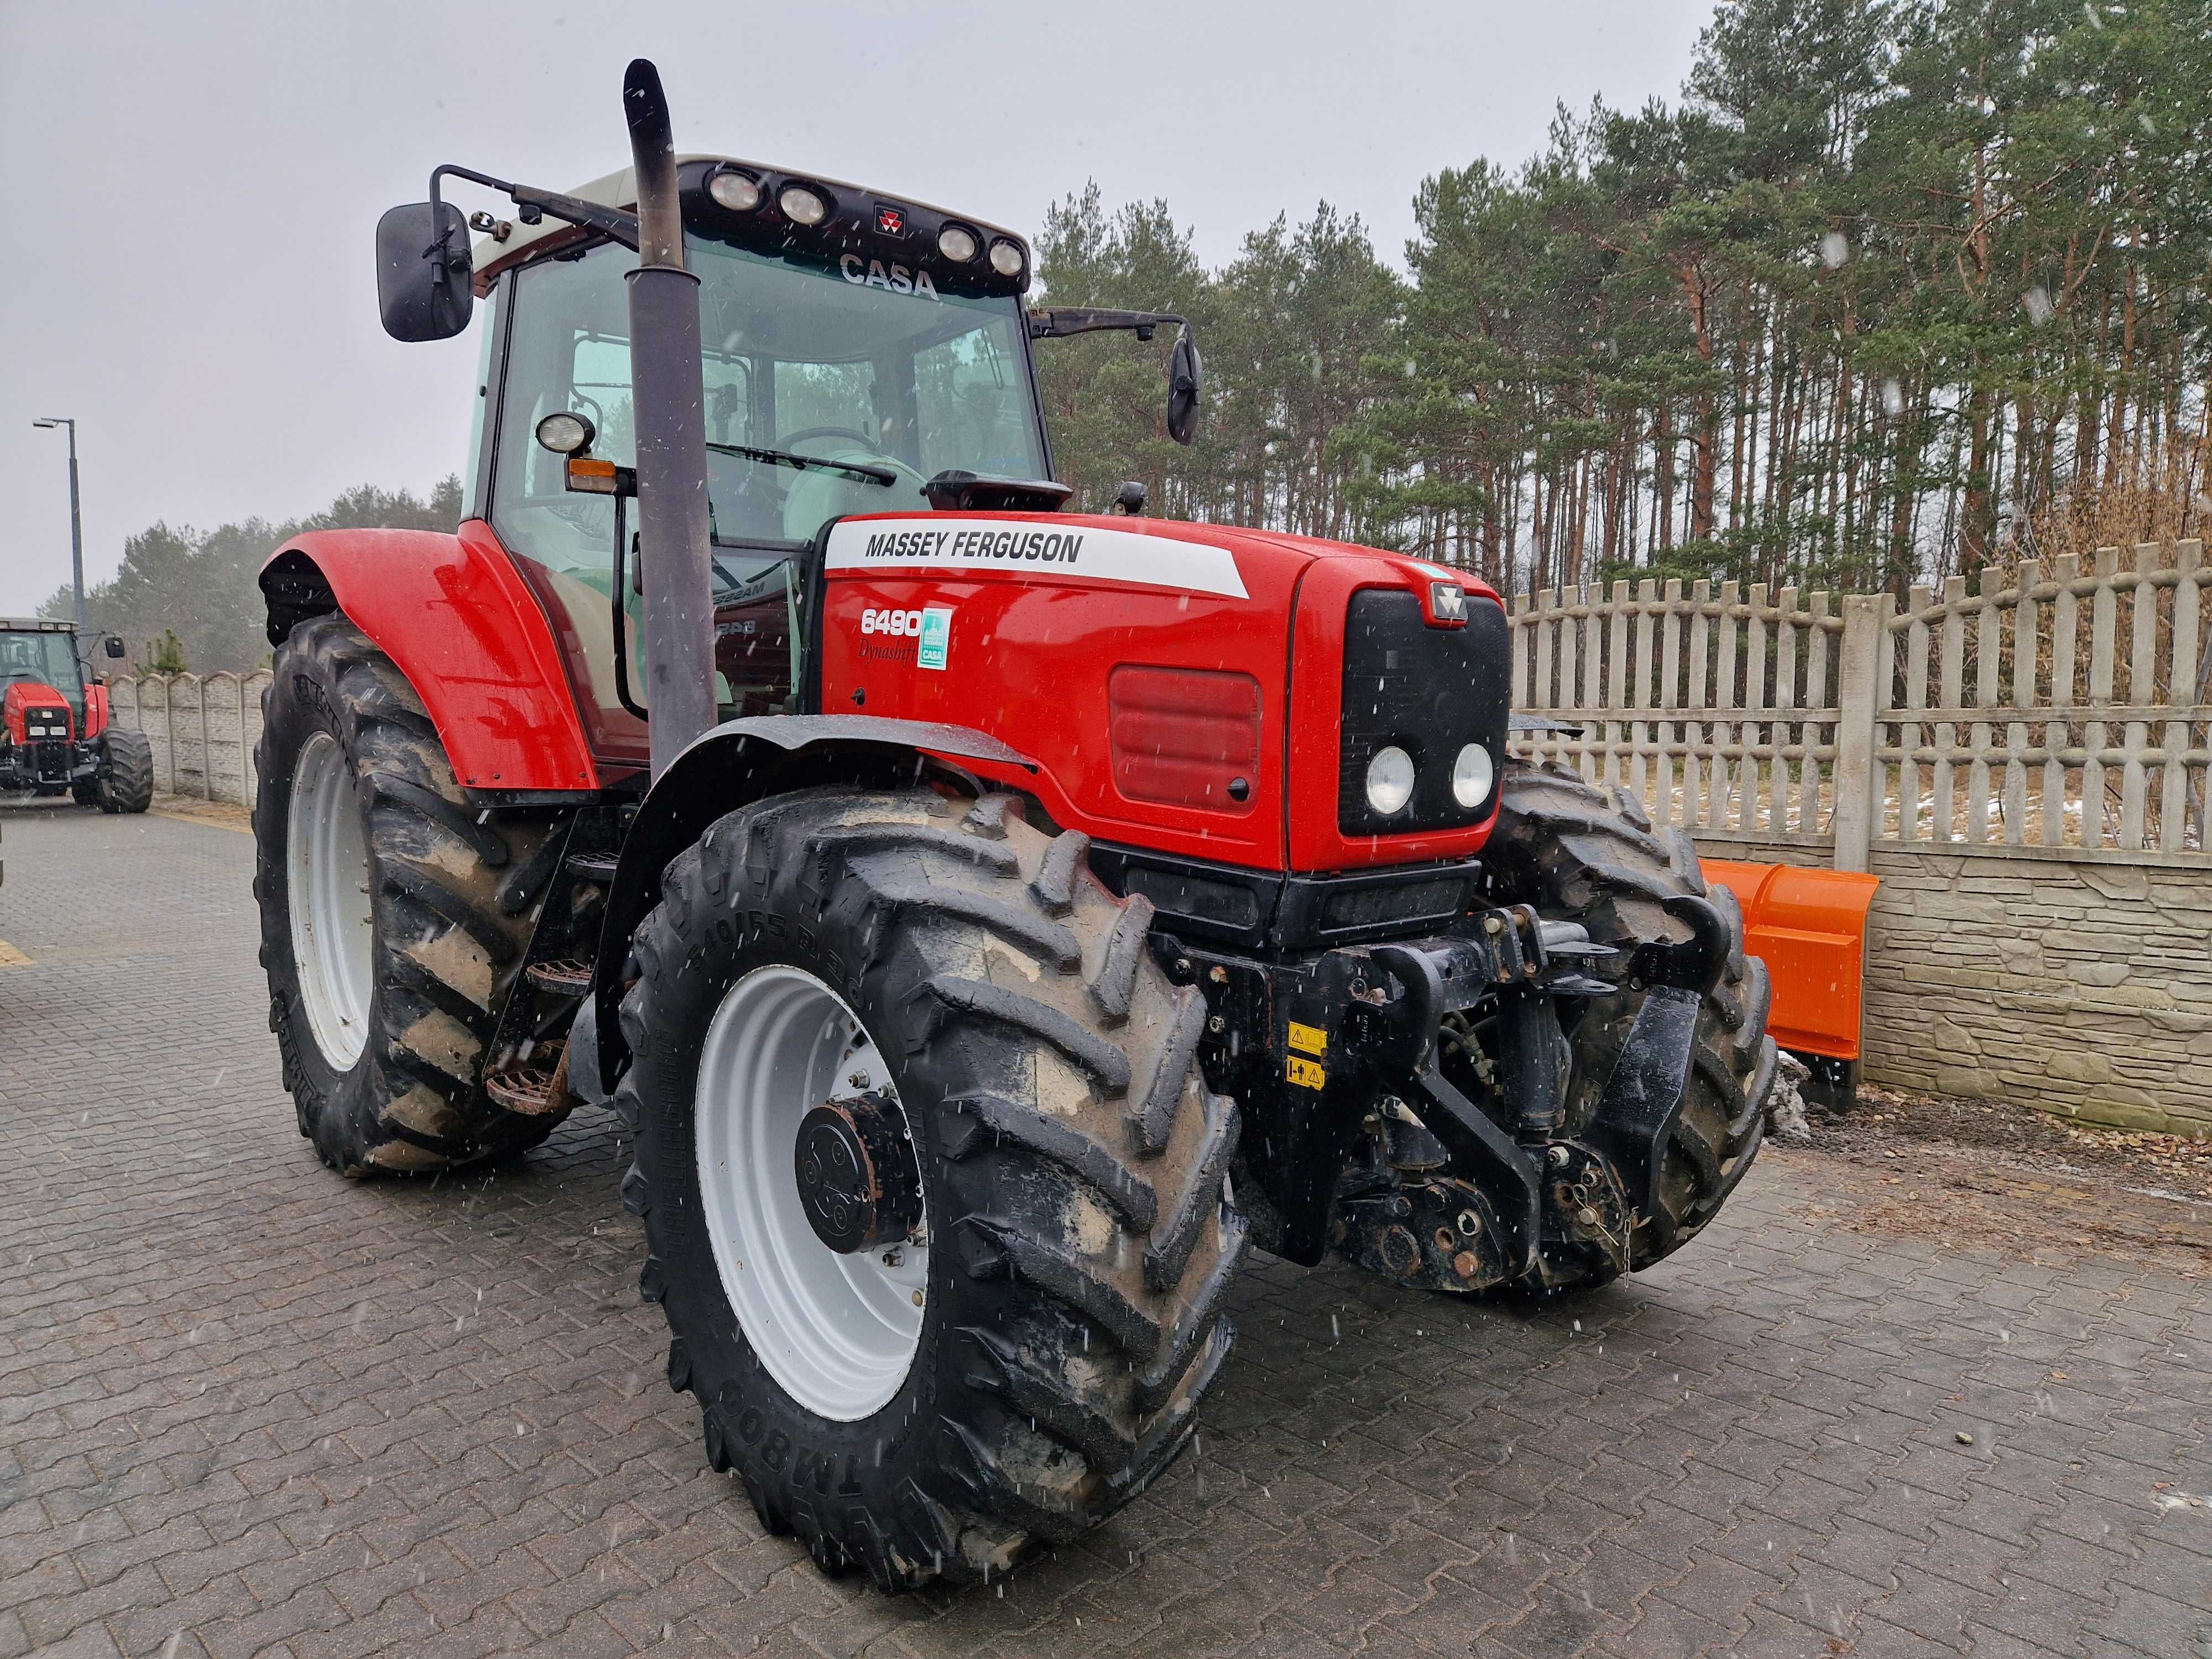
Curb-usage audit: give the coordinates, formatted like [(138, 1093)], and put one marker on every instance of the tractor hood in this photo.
[(1139, 662), (35, 712), (1159, 553)]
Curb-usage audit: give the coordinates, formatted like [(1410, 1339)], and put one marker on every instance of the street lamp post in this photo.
[(76, 526)]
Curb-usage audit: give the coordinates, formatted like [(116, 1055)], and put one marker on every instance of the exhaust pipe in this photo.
[(675, 556)]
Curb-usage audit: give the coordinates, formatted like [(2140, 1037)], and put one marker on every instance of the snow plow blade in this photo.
[(1810, 928)]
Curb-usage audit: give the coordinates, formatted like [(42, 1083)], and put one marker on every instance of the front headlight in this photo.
[(1472, 774), (1389, 781)]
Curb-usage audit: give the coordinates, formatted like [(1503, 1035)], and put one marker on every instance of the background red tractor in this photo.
[(990, 922), (57, 735)]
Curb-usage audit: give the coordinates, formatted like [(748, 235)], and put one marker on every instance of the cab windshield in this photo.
[(854, 363), (42, 657)]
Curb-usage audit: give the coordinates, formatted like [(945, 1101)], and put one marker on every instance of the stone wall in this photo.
[(2075, 982)]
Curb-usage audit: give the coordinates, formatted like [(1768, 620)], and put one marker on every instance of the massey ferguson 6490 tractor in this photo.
[(57, 739), (992, 922)]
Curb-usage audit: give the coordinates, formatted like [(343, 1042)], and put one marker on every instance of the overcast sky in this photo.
[(186, 268)]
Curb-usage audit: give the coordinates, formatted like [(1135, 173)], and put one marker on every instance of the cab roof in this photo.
[(38, 624), (619, 190)]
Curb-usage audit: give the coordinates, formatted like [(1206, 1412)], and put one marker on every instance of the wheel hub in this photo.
[(837, 1325), (857, 1177)]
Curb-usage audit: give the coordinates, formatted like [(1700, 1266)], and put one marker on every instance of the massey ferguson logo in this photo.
[(1033, 546)]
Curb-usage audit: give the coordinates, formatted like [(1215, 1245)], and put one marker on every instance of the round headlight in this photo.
[(738, 191), (1471, 776), (565, 433), (956, 244), (1389, 781), (1006, 258), (802, 206)]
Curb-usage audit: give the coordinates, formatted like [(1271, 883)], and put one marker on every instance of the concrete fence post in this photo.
[(1859, 697)]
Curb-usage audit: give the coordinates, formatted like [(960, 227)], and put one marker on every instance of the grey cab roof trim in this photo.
[(619, 190)]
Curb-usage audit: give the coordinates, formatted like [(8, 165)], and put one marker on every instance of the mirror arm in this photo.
[(1058, 322), (612, 223)]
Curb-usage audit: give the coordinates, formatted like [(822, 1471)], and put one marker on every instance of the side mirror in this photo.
[(1186, 371), (114, 646), (423, 272)]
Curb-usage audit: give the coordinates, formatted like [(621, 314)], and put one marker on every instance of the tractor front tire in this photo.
[(1581, 853), (1076, 1237), (125, 782), (394, 914)]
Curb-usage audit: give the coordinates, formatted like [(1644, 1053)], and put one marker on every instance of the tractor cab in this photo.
[(858, 354), (39, 664)]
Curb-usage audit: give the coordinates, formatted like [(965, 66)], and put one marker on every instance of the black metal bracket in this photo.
[(1058, 322), (535, 203)]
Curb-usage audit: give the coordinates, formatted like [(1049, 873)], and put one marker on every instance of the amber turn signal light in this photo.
[(592, 476)]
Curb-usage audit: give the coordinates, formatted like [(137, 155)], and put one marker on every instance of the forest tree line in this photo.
[(1899, 288), (1896, 289)]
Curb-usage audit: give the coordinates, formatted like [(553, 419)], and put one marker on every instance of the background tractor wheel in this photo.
[(125, 780), (1024, 1347), (1579, 854), (394, 917)]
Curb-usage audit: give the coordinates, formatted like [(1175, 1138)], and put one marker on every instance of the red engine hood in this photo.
[(22, 697), (1016, 623)]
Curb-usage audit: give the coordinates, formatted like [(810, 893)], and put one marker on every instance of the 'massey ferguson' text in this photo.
[(980, 546)]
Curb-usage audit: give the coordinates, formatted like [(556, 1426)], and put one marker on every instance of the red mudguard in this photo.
[(454, 614), (1809, 926)]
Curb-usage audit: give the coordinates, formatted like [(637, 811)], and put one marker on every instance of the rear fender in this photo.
[(96, 711), (741, 761), (453, 613)]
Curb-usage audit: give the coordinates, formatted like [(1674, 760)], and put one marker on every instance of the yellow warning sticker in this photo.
[(1305, 1073), (1311, 1038)]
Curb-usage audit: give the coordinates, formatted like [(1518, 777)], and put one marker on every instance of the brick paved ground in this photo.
[(248, 1407)]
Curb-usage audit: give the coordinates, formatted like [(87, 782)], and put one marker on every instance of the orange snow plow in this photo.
[(1809, 926)]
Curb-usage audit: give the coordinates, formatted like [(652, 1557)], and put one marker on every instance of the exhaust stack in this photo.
[(675, 557)]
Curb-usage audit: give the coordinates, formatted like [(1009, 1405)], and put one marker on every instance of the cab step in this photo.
[(533, 1088), (593, 866), (566, 977)]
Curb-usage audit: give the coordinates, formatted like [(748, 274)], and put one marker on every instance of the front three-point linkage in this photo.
[(1514, 1187)]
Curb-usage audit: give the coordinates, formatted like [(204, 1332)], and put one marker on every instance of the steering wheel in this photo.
[(812, 432)]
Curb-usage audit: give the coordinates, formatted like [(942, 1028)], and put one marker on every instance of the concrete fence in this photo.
[(2023, 765), (202, 730)]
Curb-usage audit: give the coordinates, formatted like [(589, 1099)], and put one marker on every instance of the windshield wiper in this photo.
[(881, 475)]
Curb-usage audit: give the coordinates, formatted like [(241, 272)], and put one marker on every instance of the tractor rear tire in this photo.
[(384, 1069), (125, 782), (1581, 853), (1079, 1237)]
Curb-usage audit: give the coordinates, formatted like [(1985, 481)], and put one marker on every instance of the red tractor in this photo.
[(991, 921), (58, 738)]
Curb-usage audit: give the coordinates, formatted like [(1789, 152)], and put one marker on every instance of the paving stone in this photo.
[(235, 1408)]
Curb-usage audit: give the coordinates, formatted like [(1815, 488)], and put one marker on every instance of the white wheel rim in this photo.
[(838, 1332), (333, 932)]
